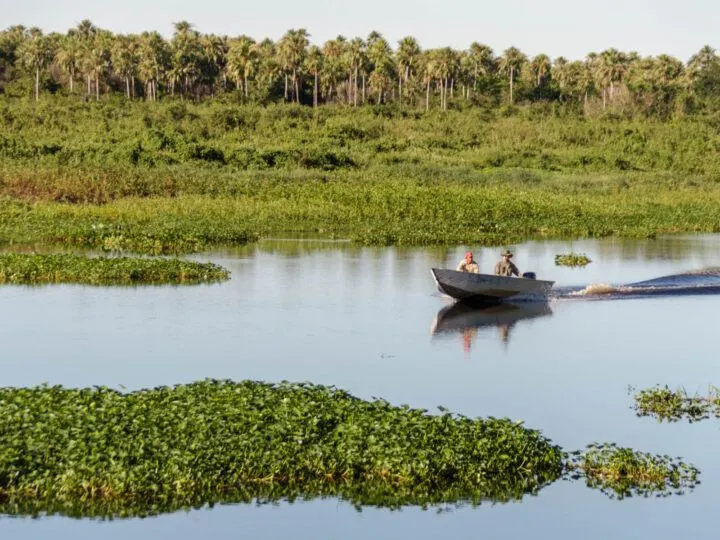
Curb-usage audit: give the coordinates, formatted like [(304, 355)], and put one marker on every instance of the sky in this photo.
[(569, 28)]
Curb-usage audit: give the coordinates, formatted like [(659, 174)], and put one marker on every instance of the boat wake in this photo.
[(706, 281)]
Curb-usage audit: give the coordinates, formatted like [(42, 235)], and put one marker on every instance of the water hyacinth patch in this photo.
[(98, 451), (623, 472), (572, 259), (674, 405), (37, 269)]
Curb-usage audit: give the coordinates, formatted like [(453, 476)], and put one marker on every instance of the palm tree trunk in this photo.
[(246, 85), (400, 90), (133, 85), (427, 96), (296, 85), (512, 73), (363, 89), (286, 87), (356, 87), (72, 76), (127, 86), (315, 90), (89, 90), (37, 84), (97, 88)]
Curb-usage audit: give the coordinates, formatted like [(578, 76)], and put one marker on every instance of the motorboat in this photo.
[(489, 288)]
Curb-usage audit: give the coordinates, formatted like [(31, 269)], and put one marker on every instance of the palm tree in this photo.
[(154, 58), (511, 63), (334, 65), (268, 69), (380, 55), (356, 59), (124, 59), (84, 31), (242, 60), (540, 67), (35, 54), (68, 57), (213, 58), (612, 67), (186, 54), (314, 61), (292, 50), (482, 58), (96, 60), (407, 57)]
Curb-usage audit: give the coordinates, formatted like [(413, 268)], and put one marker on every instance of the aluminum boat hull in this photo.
[(488, 287)]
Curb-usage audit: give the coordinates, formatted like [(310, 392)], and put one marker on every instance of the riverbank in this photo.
[(400, 212), (178, 177)]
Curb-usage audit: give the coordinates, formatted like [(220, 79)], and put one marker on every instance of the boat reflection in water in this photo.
[(468, 319)]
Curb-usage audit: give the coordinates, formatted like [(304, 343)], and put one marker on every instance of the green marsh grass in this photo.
[(38, 269), (373, 212)]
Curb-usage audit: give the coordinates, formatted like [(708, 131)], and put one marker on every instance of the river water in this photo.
[(369, 320)]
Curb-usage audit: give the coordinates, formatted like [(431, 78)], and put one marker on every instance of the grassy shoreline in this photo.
[(374, 213)]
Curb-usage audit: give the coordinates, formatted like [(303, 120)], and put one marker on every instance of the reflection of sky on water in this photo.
[(358, 318)]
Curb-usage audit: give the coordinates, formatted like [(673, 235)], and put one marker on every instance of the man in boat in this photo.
[(505, 266), (468, 264)]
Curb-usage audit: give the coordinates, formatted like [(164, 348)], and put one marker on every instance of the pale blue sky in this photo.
[(557, 27)]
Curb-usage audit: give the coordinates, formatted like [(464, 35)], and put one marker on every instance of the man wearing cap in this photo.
[(505, 266), (468, 264)]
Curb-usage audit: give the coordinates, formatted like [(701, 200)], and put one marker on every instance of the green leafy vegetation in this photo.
[(623, 472), (120, 176), (36, 269), (674, 405), (572, 259), (98, 450)]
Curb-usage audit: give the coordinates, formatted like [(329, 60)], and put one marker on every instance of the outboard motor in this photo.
[(529, 275)]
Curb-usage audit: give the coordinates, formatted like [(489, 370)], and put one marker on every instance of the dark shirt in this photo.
[(505, 267)]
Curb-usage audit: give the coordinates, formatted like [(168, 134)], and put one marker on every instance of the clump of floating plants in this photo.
[(35, 269), (622, 472), (673, 405), (101, 452), (572, 259)]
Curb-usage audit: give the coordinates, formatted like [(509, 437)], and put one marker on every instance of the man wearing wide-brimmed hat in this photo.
[(505, 266)]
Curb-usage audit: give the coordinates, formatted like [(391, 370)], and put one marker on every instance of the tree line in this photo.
[(91, 62)]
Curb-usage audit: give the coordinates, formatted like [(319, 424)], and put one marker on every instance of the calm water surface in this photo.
[(370, 321)]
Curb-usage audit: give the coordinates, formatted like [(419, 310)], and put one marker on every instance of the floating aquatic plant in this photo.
[(34, 269), (623, 472), (673, 405), (97, 451), (572, 259)]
